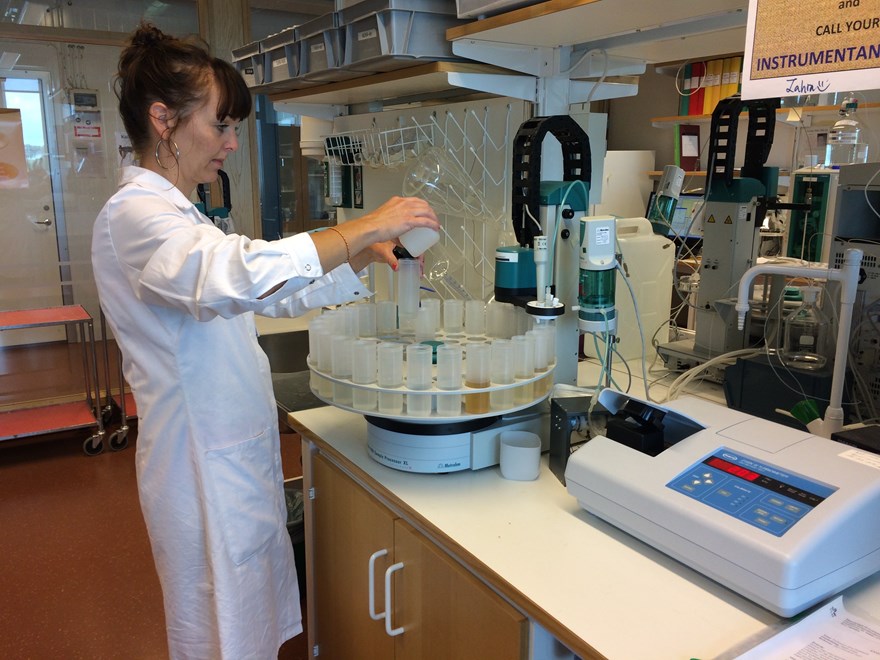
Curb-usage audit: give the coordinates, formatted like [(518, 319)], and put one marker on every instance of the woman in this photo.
[(180, 297)]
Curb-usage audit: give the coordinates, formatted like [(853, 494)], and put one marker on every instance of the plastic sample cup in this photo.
[(477, 375), (449, 362), (389, 374), (502, 373), (524, 368), (363, 372), (341, 346), (366, 319), (433, 307), (474, 318), (425, 328), (408, 281), (453, 316), (519, 455), (386, 318), (418, 377)]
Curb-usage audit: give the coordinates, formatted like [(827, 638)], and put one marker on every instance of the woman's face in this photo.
[(204, 143)]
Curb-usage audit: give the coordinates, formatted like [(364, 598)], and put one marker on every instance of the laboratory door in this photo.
[(30, 266)]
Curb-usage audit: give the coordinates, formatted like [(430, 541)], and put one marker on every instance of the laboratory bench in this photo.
[(536, 568)]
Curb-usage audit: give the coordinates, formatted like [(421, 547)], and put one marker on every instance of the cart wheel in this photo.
[(93, 445), (118, 440)]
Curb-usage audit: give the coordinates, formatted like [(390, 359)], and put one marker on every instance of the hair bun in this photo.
[(148, 35)]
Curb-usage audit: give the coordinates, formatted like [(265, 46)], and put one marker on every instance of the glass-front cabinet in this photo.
[(292, 198)]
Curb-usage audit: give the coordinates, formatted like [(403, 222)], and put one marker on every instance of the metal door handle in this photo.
[(392, 632), (45, 221), (371, 574)]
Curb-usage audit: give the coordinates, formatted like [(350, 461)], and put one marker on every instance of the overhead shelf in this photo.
[(417, 82), (654, 32)]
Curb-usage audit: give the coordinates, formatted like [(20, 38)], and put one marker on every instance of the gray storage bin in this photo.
[(384, 35), (321, 50), (281, 53), (248, 59)]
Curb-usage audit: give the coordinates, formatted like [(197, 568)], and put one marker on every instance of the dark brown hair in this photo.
[(177, 72)]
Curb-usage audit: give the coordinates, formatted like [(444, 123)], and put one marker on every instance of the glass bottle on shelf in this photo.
[(806, 334)]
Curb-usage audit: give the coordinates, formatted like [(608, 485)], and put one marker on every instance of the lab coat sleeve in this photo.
[(339, 286), (174, 260)]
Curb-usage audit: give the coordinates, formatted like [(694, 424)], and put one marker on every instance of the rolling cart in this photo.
[(55, 417), (122, 401)]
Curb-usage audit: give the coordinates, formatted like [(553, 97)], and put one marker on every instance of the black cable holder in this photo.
[(723, 132), (526, 170)]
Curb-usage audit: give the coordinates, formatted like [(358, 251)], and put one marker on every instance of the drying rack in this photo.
[(45, 418), (477, 138)]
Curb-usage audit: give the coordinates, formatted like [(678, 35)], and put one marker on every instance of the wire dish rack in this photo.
[(476, 142)]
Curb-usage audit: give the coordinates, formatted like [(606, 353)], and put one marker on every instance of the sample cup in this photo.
[(524, 366), (418, 377), (389, 374), (341, 346), (325, 362), (453, 316), (408, 277), (425, 328), (433, 307), (474, 318), (363, 372), (477, 375), (366, 319), (502, 373), (520, 455), (449, 378), (386, 318)]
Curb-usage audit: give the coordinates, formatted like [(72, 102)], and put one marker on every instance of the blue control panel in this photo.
[(762, 495)]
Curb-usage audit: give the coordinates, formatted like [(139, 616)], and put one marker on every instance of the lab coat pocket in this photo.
[(245, 490)]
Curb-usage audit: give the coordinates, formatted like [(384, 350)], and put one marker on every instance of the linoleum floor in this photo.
[(77, 578)]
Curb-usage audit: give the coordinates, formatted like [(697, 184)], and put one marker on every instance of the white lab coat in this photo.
[(180, 296)]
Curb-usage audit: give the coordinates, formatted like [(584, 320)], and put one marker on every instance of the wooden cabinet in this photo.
[(433, 601)]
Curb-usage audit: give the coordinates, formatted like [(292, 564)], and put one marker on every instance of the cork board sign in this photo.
[(801, 47)]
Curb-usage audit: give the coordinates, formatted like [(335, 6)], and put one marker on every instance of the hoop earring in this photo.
[(176, 152)]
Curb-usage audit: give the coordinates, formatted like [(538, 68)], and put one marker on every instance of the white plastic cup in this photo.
[(453, 316), (386, 318), (366, 319), (389, 374), (449, 378), (474, 318), (519, 455), (524, 367), (325, 362), (502, 373), (425, 328), (433, 307), (341, 346), (408, 282), (418, 377), (417, 240), (418, 366), (363, 372)]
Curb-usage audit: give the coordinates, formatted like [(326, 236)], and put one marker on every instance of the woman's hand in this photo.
[(398, 215), (382, 253)]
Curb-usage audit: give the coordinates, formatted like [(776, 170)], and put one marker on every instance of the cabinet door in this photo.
[(445, 611), (350, 525)]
